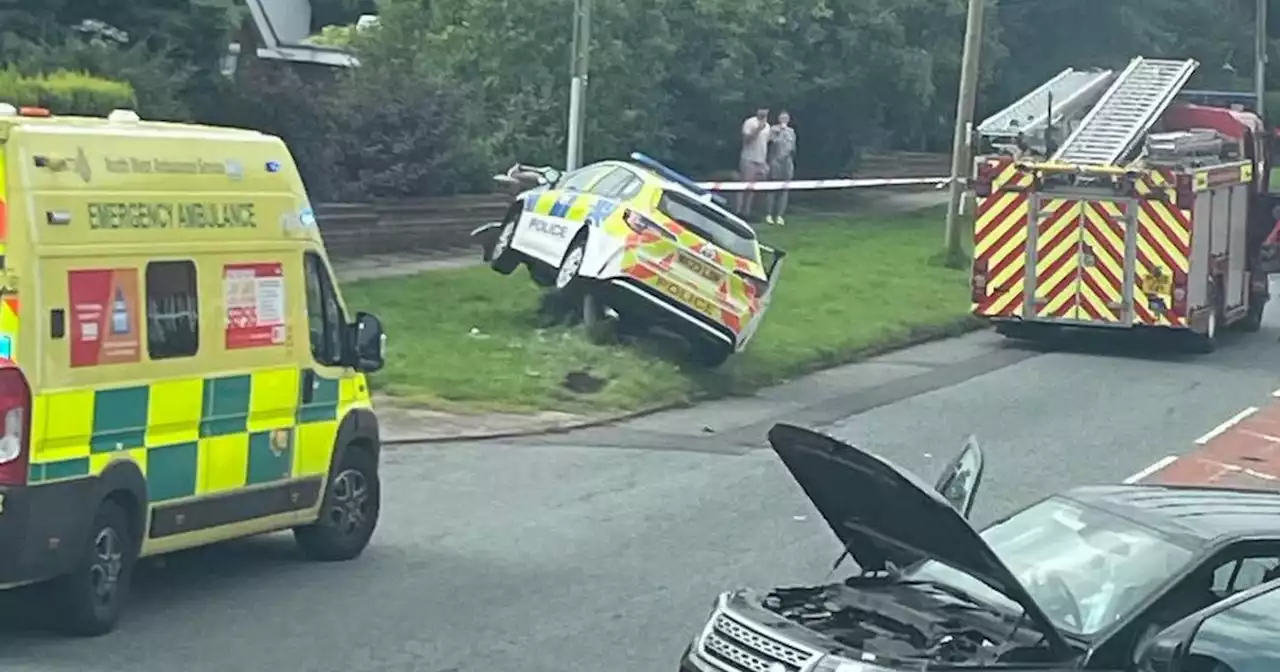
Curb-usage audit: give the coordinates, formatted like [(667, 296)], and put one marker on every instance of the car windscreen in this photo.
[(1084, 567), (713, 226)]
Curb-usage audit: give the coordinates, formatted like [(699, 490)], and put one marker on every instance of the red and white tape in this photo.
[(797, 185)]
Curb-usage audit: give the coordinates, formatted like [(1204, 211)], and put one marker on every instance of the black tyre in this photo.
[(1253, 320), (91, 598), (504, 259), (1205, 342), (709, 354), (567, 280), (349, 513)]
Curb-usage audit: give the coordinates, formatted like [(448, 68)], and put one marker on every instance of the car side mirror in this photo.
[(960, 480), (368, 343)]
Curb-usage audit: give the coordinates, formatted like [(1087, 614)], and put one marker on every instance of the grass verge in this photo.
[(467, 339)]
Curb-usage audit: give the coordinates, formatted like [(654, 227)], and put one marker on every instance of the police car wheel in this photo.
[(349, 513), (92, 596), (504, 259), (571, 264), (709, 353)]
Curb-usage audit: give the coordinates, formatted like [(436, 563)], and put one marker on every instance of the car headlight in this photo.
[(838, 664)]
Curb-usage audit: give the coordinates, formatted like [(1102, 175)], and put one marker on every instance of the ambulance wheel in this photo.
[(504, 259), (92, 596), (349, 513)]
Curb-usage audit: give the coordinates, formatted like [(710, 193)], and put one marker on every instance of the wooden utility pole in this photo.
[(960, 147), (578, 85), (1260, 57)]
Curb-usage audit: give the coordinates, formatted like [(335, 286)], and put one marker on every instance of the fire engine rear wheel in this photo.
[(1252, 321), (1206, 340)]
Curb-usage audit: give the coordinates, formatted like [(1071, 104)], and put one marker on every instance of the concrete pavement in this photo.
[(603, 549)]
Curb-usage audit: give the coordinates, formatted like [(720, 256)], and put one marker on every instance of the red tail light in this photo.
[(15, 423), (639, 223), (1179, 293), (978, 281), (1185, 195), (755, 286)]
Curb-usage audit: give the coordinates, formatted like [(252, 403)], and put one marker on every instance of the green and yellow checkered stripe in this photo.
[(192, 437)]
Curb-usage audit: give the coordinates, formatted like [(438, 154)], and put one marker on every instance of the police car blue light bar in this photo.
[(659, 168)]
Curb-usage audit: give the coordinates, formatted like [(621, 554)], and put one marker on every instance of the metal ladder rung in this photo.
[(1132, 104)]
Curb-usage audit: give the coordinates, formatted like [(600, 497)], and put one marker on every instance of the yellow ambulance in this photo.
[(177, 366)]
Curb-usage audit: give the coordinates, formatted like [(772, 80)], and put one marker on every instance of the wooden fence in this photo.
[(444, 225)]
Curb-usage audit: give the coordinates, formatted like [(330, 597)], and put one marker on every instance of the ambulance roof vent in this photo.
[(123, 117), (7, 110)]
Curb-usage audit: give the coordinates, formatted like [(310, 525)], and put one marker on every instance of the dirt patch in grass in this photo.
[(468, 339)]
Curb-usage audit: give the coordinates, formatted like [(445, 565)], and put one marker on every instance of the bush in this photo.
[(65, 92), (379, 132)]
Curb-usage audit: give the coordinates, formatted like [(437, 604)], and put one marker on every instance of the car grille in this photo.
[(740, 648)]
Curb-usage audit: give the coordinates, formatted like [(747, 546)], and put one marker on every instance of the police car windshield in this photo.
[(1084, 567), (716, 227)]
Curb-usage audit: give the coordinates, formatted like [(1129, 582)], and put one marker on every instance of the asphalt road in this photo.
[(604, 549)]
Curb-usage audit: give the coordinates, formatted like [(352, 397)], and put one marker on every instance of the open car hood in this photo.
[(883, 514)]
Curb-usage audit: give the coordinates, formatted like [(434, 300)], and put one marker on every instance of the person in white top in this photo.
[(753, 162)]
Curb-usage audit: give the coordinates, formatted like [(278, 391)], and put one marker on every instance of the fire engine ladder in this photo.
[(1070, 93), (1133, 103)]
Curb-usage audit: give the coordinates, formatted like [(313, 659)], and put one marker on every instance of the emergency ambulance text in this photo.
[(172, 216)]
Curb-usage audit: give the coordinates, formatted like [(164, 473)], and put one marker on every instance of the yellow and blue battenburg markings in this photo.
[(193, 437), (570, 205)]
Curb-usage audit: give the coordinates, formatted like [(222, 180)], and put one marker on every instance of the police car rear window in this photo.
[(713, 226)]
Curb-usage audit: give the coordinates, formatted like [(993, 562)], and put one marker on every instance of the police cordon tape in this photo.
[(798, 185)]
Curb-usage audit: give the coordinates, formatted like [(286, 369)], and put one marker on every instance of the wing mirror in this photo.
[(960, 480), (367, 343)]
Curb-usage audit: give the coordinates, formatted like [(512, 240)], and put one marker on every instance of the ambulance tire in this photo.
[(91, 598), (505, 260), (349, 513)]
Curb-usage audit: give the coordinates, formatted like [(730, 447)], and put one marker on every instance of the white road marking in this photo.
[(1151, 469), (1226, 425)]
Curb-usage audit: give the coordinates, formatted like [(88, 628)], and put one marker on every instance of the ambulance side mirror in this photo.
[(366, 343)]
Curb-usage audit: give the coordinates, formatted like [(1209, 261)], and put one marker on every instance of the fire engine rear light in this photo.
[(755, 286), (978, 281), (34, 112), (1184, 193), (15, 423), (1180, 293)]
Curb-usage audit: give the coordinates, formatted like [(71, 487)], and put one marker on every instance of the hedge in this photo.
[(66, 92)]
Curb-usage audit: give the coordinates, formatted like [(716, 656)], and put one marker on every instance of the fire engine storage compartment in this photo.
[(1175, 182)]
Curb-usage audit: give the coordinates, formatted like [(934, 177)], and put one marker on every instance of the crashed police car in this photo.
[(1099, 577)]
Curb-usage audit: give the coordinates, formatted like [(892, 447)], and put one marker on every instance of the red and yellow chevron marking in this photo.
[(1101, 289), (1157, 183), (1057, 259), (1000, 240), (1164, 242)]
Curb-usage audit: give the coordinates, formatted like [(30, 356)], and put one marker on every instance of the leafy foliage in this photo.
[(65, 92), (450, 90)]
